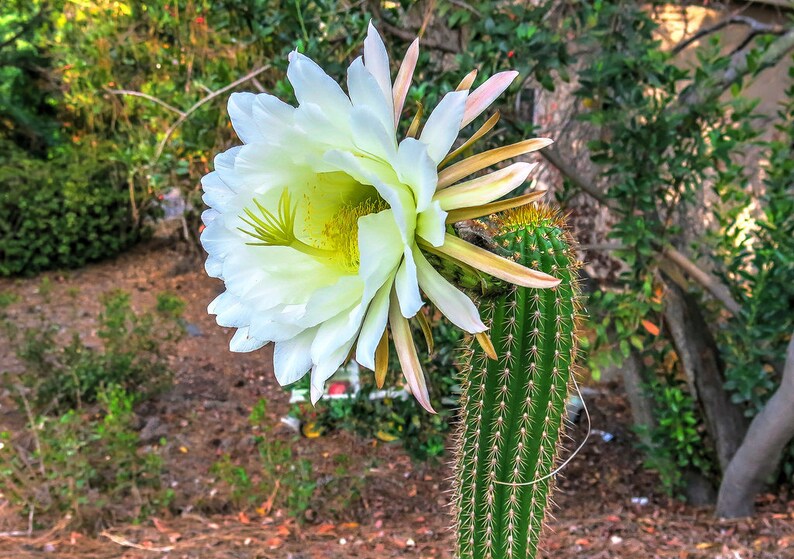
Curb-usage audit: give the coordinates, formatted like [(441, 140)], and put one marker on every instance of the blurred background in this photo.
[(127, 429)]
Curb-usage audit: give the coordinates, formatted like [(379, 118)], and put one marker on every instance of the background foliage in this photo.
[(82, 163)]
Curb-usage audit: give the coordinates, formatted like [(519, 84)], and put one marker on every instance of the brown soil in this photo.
[(401, 507)]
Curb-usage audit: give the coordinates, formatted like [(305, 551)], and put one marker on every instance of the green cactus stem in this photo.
[(512, 407)]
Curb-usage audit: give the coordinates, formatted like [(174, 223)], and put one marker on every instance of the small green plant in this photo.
[(277, 476), (131, 356), (85, 463), (676, 444)]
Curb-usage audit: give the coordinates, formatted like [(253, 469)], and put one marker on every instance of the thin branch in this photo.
[(572, 174), (146, 96), (713, 285), (756, 28), (186, 114), (738, 68)]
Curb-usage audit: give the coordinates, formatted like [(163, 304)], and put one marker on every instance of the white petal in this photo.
[(376, 60), (416, 169), (321, 372), (224, 166), (407, 286), (313, 85), (485, 189), (327, 302), (271, 331), (380, 250), (374, 324), (217, 194), (431, 224), (218, 241), (456, 306), (482, 97), (291, 358), (272, 115), (365, 92), (336, 332), (241, 342), (370, 136), (240, 107), (442, 126)]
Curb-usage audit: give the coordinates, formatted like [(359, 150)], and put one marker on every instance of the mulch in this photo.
[(608, 505)]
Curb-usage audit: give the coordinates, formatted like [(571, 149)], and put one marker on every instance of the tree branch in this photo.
[(146, 96), (186, 114), (756, 28), (738, 68)]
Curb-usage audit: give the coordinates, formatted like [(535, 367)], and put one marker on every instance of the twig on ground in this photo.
[(124, 542)]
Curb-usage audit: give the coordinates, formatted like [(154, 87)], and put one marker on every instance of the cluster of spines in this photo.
[(512, 408)]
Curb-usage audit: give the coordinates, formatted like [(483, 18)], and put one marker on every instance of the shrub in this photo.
[(62, 213)]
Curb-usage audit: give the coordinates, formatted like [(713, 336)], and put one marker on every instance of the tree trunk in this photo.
[(703, 368), (759, 455), (640, 403)]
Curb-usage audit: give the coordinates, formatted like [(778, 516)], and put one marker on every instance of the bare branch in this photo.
[(756, 28), (738, 68), (146, 96), (714, 286), (572, 174), (186, 114)]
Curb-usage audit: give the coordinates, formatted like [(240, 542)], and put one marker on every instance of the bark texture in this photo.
[(759, 455), (703, 369)]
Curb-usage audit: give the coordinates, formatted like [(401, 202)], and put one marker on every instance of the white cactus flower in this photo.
[(318, 223)]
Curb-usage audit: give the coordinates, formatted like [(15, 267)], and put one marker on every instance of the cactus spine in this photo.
[(512, 408)]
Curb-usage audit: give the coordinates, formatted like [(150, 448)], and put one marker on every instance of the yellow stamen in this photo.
[(341, 233), (278, 230)]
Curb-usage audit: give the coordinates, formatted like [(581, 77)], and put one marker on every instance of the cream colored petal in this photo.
[(403, 81), (485, 189), (474, 212), (482, 97), (406, 353), (490, 263), (471, 165)]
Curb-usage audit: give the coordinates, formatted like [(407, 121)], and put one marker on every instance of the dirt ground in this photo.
[(402, 507)]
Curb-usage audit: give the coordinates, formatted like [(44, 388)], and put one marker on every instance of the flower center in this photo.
[(341, 232), (339, 238)]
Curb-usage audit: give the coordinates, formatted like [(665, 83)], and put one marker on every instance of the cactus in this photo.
[(512, 407)]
